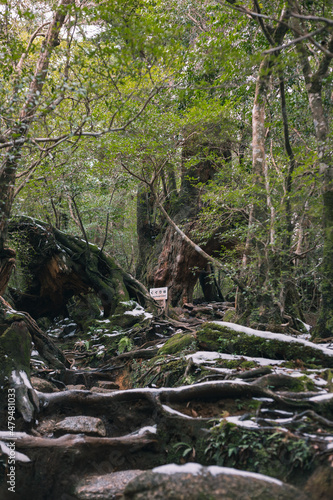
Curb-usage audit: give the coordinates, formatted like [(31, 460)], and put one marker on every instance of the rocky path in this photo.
[(192, 408)]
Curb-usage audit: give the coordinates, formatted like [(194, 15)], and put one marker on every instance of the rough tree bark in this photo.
[(17, 134), (171, 259)]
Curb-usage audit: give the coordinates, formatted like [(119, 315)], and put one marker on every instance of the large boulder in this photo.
[(17, 393), (181, 482)]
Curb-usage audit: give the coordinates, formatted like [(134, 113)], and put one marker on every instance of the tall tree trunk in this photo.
[(259, 215), (174, 260), (20, 130), (314, 84)]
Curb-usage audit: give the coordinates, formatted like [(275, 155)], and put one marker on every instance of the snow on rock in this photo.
[(20, 378), (196, 469), (322, 397), (273, 336), (172, 411), (194, 481), (135, 309), (200, 357)]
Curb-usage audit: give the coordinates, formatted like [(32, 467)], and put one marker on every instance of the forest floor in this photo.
[(187, 390)]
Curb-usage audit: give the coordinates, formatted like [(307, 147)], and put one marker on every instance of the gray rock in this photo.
[(106, 487), (43, 385), (81, 424), (195, 482)]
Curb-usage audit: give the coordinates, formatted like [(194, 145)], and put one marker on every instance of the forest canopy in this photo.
[(216, 112)]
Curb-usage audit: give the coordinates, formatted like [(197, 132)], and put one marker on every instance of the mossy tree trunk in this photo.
[(17, 331), (167, 258)]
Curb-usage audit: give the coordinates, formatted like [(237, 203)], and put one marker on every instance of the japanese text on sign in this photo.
[(159, 293)]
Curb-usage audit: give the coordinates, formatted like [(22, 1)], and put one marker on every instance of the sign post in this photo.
[(160, 294)]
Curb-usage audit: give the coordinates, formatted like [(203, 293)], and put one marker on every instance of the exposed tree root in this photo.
[(204, 391), (44, 345), (78, 441)]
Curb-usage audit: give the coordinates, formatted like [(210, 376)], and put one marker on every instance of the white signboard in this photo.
[(159, 293)]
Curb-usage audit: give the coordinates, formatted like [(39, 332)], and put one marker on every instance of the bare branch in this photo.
[(313, 18), (296, 40), (24, 55)]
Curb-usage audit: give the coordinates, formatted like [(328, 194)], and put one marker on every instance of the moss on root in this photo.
[(215, 337), (177, 343), (159, 371)]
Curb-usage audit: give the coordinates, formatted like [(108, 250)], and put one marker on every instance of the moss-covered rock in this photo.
[(177, 343), (129, 313), (230, 315), (15, 348), (160, 371), (216, 337), (84, 308)]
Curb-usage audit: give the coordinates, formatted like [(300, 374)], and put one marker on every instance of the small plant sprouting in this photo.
[(125, 344)]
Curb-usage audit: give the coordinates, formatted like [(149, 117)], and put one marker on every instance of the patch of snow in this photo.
[(248, 424), (137, 311), (322, 397), (149, 428), (175, 412), (189, 468), (267, 400), (15, 376), (307, 327), (317, 380), (25, 379), (214, 470), (200, 357)]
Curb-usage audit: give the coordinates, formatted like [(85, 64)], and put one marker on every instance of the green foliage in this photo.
[(125, 344), (185, 447), (177, 343), (127, 86), (272, 453)]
